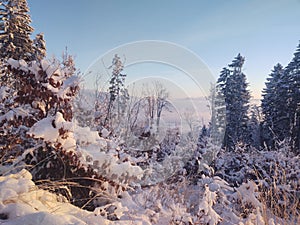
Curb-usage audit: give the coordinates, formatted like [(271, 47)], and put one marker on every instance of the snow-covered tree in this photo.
[(275, 95), (293, 104), (168, 144), (281, 105), (118, 94), (37, 130), (155, 101), (254, 127), (218, 110), (203, 139), (39, 46), (161, 101), (193, 165), (233, 87), (15, 30)]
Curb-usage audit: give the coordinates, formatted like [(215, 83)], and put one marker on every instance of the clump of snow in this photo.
[(104, 133), (110, 166), (18, 64), (86, 137), (248, 193), (15, 184), (51, 128), (3, 92)]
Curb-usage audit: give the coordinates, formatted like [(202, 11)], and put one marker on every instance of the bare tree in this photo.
[(156, 99), (134, 108), (192, 121), (161, 100)]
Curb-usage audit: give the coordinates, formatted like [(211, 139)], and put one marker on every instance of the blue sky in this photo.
[(264, 31)]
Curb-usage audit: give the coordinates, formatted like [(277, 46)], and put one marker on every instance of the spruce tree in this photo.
[(281, 105), (218, 108), (275, 96), (15, 30), (39, 46), (233, 86), (293, 104), (203, 140), (118, 94)]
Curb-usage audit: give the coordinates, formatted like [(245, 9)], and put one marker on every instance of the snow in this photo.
[(49, 129), (209, 214), (14, 63), (211, 201), (85, 136), (15, 113), (24, 203), (100, 153), (18, 64), (3, 92), (247, 192), (104, 133)]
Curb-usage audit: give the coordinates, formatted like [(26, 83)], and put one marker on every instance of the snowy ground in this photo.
[(22, 202)]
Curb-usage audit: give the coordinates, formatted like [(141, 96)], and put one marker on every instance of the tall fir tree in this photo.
[(218, 109), (275, 96), (232, 86), (15, 30), (118, 94), (293, 75), (281, 105)]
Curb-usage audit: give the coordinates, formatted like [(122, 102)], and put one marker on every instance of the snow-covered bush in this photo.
[(201, 156), (38, 129), (38, 90), (169, 143), (276, 174), (89, 166), (206, 213)]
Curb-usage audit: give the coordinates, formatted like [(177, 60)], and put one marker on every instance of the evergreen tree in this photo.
[(254, 127), (39, 46), (275, 97), (203, 140), (293, 104), (218, 111), (217, 120), (15, 30), (281, 104), (233, 86), (193, 165), (118, 94)]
